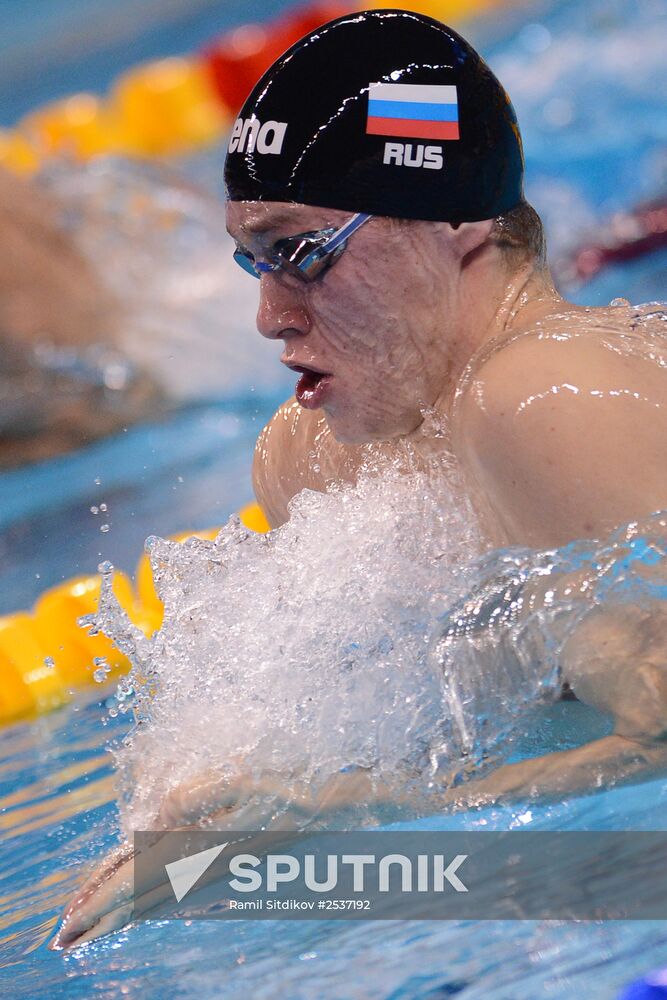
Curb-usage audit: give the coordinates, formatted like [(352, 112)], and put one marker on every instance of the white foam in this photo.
[(318, 646)]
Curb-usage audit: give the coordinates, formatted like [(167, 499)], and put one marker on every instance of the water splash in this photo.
[(372, 629), (306, 650)]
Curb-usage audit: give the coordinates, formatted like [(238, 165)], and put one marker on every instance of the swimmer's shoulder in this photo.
[(583, 356), (280, 459), (566, 435), (296, 451)]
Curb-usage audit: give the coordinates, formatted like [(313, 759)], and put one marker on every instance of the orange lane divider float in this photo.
[(45, 656), (181, 104)]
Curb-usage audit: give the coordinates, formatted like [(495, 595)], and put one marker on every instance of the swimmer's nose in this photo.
[(281, 313)]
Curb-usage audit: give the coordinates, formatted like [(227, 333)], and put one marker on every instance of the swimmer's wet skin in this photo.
[(441, 303)]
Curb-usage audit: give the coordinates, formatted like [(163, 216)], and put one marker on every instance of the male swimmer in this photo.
[(375, 187)]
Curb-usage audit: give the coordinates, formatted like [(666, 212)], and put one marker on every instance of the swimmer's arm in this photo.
[(108, 898), (106, 901), (567, 440), (615, 661), (602, 763)]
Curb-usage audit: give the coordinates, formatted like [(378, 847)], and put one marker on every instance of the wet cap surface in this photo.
[(386, 111)]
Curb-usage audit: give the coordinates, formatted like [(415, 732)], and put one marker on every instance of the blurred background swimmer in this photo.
[(63, 381)]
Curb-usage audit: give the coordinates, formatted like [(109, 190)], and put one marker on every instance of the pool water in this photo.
[(56, 786), (585, 80)]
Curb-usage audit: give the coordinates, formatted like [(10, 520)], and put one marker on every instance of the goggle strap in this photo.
[(345, 231)]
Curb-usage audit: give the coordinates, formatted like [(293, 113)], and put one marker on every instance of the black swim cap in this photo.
[(383, 111)]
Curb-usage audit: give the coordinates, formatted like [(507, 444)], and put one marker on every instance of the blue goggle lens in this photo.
[(247, 262)]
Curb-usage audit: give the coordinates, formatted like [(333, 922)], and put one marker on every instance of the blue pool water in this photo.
[(586, 81), (57, 786)]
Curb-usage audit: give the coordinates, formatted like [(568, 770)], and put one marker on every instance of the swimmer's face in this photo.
[(374, 338)]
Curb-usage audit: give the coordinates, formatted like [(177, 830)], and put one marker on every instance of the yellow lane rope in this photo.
[(182, 104), (45, 656)]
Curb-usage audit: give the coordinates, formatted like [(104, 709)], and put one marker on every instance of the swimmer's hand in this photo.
[(105, 902)]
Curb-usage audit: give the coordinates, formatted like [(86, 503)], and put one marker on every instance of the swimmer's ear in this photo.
[(466, 237)]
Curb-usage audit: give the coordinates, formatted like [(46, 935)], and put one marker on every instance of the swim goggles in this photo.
[(306, 255)]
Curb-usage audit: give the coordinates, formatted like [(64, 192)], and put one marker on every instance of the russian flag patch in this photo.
[(413, 111)]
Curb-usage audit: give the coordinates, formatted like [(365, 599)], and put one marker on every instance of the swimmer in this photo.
[(63, 379), (439, 299), (375, 188)]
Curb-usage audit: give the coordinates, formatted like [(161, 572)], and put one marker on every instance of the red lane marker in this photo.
[(626, 236)]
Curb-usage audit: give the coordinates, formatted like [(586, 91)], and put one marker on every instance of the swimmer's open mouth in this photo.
[(311, 387)]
